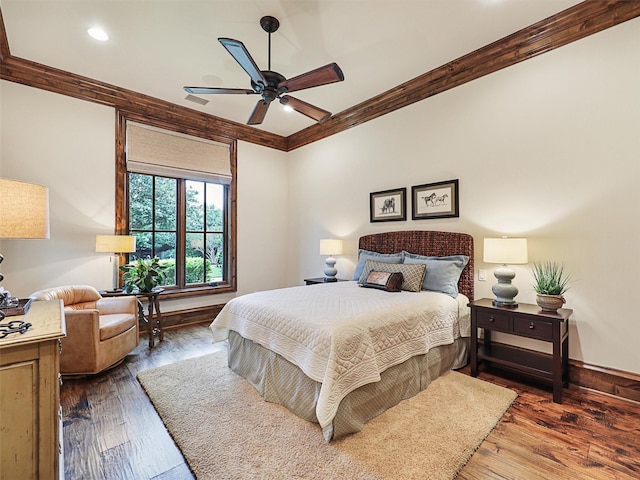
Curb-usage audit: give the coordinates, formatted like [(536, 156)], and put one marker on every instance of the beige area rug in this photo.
[(227, 431)]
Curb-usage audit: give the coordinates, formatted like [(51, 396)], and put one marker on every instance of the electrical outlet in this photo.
[(482, 275)]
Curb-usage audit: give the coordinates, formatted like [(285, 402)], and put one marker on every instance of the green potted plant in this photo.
[(550, 283), (143, 275)]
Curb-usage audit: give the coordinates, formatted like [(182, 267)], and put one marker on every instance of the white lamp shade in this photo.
[(507, 251), (24, 210), (115, 243), (331, 246)]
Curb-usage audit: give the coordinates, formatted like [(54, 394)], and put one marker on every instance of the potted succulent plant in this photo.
[(143, 275), (550, 283)]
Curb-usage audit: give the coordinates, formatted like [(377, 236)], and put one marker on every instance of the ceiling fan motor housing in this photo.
[(270, 91)]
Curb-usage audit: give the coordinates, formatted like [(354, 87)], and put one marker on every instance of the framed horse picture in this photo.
[(435, 200), (388, 205)]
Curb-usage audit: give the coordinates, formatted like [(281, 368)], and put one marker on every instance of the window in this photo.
[(179, 208)]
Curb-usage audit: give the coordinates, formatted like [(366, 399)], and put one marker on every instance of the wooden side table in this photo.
[(528, 321), (317, 280), (153, 318)]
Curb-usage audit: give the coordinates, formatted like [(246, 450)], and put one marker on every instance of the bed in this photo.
[(338, 354)]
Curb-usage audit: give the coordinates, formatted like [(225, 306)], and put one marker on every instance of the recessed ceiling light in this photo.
[(98, 34), (287, 108)]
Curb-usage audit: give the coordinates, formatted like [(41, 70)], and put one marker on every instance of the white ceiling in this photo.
[(158, 46)]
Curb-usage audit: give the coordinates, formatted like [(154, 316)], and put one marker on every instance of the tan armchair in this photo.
[(100, 331)]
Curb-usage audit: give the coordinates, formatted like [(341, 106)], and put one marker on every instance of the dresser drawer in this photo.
[(529, 327), (494, 321)]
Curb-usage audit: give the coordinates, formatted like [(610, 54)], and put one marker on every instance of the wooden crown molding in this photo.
[(573, 24), (4, 43)]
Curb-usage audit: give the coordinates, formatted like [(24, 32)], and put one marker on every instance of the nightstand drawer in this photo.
[(533, 328), (494, 321)]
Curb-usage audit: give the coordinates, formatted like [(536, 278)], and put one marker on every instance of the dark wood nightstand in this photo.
[(315, 281), (529, 321)]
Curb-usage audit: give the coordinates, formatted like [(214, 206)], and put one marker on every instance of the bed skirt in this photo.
[(280, 381)]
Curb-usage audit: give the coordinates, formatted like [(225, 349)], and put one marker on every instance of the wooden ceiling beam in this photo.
[(577, 22)]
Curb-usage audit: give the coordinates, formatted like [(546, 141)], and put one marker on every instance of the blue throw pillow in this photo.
[(364, 255), (443, 273)]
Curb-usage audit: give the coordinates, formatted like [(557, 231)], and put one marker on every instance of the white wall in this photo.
[(262, 218), (548, 149), (68, 145)]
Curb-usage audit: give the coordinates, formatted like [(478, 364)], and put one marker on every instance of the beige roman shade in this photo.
[(156, 151)]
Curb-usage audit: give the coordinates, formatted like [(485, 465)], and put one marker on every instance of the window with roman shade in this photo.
[(179, 192)]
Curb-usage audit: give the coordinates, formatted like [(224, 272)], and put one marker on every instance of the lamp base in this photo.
[(330, 270), (498, 303), (116, 273), (504, 290)]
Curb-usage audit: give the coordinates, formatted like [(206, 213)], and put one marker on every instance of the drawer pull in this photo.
[(531, 326), (491, 319)]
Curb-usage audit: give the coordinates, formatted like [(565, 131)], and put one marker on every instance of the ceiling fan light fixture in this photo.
[(288, 108), (98, 34)]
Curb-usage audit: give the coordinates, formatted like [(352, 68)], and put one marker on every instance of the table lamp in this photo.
[(505, 251), (115, 244), (24, 213), (330, 247)]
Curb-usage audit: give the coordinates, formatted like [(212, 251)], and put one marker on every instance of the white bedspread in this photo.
[(343, 335)]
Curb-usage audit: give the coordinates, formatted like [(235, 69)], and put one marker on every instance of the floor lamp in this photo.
[(24, 213), (116, 245)]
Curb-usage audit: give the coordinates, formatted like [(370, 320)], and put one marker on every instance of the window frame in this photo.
[(230, 213)]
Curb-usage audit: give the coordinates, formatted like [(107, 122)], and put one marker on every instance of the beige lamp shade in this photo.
[(24, 210), (505, 250), (331, 246), (115, 243)]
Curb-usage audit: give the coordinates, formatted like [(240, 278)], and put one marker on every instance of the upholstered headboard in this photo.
[(429, 243)]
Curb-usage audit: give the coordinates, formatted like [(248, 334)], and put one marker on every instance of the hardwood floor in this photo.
[(111, 430)]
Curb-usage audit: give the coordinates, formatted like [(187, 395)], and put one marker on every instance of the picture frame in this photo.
[(435, 200), (388, 205)]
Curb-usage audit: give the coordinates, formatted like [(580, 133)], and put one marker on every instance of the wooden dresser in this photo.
[(30, 418)]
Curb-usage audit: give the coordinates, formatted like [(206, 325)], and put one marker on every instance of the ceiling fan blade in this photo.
[(259, 112), (240, 53), (206, 90), (320, 76), (317, 114)]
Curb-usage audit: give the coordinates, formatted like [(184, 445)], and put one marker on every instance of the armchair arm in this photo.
[(82, 324), (81, 343), (112, 305)]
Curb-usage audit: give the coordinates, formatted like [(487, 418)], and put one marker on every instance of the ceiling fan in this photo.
[(271, 85)]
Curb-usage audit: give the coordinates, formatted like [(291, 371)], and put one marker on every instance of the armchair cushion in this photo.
[(115, 324)]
